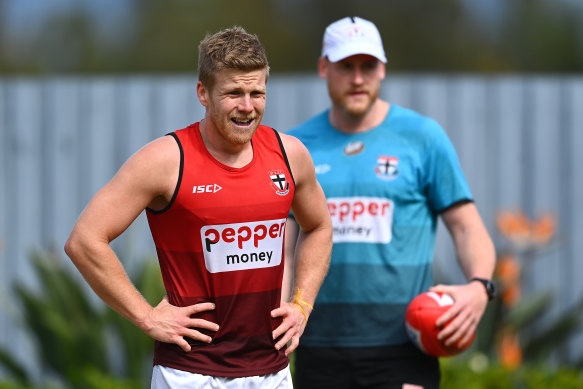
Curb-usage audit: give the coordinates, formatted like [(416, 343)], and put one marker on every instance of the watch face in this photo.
[(490, 287)]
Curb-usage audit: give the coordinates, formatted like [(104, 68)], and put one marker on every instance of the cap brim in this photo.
[(339, 53)]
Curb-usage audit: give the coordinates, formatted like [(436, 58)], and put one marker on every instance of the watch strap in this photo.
[(488, 285)]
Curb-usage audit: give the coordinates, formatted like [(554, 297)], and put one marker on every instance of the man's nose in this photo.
[(245, 104), (357, 77)]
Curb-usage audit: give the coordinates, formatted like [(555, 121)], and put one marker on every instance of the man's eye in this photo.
[(370, 65)]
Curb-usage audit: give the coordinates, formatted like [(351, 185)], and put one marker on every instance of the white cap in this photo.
[(351, 36)]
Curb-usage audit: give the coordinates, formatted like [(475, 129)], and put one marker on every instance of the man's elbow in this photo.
[(329, 229), (71, 247), (75, 247)]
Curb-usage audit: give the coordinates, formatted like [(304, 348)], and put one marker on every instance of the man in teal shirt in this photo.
[(388, 174)]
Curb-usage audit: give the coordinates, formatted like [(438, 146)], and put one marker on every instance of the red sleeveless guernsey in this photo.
[(221, 240)]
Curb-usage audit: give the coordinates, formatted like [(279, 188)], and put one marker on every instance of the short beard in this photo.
[(239, 137)]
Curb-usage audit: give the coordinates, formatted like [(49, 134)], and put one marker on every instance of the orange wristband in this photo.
[(304, 312), (297, 302)]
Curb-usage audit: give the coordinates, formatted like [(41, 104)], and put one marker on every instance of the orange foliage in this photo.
[(508, 273), (511, 295), (543, 231), (519, 229), (509, 351), (514, 226), (524, 233), (508, 269)]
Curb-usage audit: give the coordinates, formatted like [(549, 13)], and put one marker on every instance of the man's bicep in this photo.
[(309, 207), (113, 208), (460, 216), (137, 183)]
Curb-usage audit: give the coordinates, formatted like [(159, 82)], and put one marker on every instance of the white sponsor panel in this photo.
[(361, 219), (441, 300), (242, 246)]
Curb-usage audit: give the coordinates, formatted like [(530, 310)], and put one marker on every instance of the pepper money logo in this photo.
[(243, 246), (361, 219)]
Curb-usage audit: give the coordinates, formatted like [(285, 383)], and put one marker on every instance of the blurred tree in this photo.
[(424, 35), (81, 344), (3, 63), (67, 43), (539, 36)]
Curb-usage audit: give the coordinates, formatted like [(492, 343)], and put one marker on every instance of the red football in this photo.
[(422, 313)]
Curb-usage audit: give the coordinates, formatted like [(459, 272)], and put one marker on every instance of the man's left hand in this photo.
[(291, 328), (465, 314)]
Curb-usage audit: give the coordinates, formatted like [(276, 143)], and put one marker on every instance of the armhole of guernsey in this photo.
[(153, 211), (284, 155)]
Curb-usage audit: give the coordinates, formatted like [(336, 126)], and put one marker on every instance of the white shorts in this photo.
[(167, 378)]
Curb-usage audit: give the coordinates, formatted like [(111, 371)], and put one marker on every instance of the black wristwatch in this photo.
[(489, 285)]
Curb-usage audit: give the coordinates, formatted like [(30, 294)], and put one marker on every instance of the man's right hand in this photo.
[(170, 324)]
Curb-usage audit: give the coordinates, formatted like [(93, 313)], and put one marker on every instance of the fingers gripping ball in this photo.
[(422, 313)]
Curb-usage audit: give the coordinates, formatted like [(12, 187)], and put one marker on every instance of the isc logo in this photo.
[(212, 188)]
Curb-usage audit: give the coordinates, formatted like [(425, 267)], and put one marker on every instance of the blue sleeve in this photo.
[(445, 183)]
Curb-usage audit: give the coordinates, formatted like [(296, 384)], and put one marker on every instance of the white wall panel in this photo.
[(519, 139)]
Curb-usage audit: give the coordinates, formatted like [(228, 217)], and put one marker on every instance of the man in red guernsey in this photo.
[(217, 195)]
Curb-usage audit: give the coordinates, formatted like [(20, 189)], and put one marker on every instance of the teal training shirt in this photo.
[(385, 188)]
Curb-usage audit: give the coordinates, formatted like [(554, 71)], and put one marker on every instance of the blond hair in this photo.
[(232, 48)]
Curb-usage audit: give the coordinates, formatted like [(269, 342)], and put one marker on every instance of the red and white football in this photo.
[(422, 313)]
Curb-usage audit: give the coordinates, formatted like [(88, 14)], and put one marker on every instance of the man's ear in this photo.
[(383, 70), (202, 93), (323, 67)]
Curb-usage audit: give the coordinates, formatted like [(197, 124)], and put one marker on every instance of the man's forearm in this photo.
[(312, 261), (104, 273), (476, 253)]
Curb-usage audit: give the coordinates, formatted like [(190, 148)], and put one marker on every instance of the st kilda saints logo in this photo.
[(279, 182), (386, 168)]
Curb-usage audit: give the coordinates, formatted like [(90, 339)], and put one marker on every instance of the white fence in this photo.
[(518, 138)]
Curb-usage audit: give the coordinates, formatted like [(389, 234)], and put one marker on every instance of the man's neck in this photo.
[(344, 122)]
